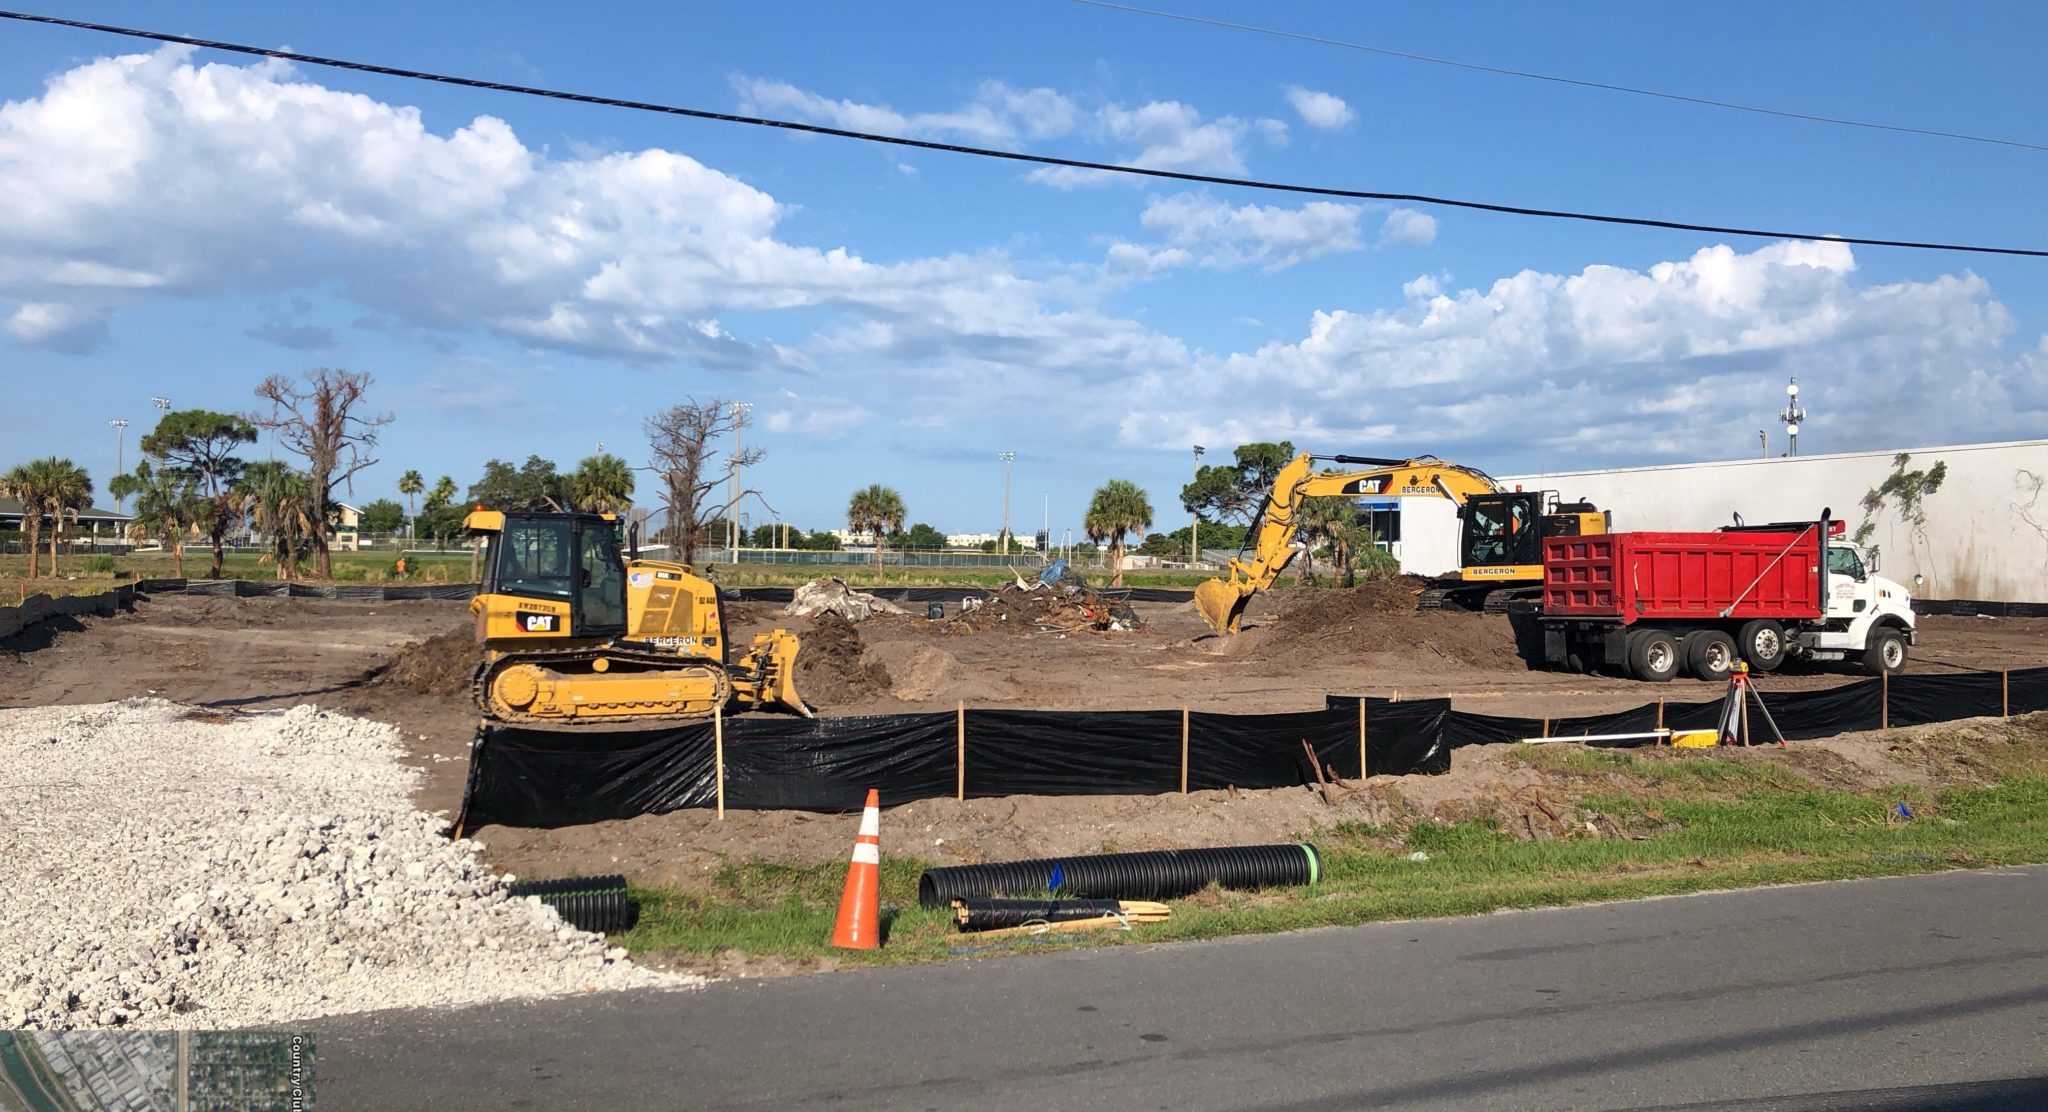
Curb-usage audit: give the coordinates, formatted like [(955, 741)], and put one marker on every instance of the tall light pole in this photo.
[(1006, 457), (1792, 416), (120, 427), (1195, 518), (739, 421)]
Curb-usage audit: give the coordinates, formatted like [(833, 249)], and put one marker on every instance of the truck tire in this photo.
[(1762, 643), (1709, 654), (1885, 652), (1652, 655)]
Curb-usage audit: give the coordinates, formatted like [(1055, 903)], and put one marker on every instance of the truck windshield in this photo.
[(1844, 561)]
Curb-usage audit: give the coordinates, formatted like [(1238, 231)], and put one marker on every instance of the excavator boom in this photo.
[(1222, 601)]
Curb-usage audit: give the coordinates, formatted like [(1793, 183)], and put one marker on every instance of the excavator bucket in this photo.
[(766, 676), (1221, 603)]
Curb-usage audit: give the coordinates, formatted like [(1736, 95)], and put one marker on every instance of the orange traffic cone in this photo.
[(859, 926)]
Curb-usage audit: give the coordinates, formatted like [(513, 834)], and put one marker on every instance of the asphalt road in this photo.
[(1922, 992)]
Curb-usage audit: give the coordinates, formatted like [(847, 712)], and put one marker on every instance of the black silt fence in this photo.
[(1872, 704), (549, 778)]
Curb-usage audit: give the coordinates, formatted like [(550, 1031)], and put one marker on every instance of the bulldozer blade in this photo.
[(773, 659), (1221, 604)]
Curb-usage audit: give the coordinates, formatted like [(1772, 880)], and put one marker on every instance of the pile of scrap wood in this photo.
[(1058, 601)]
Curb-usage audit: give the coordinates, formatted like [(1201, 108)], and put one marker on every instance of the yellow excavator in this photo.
[(1500, 534), (573, 635)]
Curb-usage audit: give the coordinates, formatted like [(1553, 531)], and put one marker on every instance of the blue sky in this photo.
[(526, 276)]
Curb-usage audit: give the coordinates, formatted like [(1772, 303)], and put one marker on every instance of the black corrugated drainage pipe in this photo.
[(1159, 875), (591, 903)]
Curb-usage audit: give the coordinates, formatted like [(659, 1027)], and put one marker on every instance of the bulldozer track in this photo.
[(479, 684)]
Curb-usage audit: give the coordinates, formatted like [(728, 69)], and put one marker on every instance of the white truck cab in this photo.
[(1867, 616)]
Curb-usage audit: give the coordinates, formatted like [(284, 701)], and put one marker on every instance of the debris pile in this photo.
[(1378, 618), (1058, 601), (833, 595)]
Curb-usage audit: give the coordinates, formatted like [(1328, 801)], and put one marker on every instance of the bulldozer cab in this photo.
[(560, 558)]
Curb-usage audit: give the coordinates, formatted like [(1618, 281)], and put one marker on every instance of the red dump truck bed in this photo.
[(1682, 576)]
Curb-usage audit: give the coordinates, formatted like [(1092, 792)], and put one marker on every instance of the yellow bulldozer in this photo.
[(575, 635), (1500, 535)]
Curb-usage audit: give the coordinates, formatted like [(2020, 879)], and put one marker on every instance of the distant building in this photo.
[(342, 537), (94, 525)]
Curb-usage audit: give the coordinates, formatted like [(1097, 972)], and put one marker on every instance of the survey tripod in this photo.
[(1742, 693)]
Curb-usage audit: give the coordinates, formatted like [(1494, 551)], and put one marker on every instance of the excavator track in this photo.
[(650, 660)]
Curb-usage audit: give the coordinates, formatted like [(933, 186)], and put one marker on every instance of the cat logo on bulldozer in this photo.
[(537, 623)]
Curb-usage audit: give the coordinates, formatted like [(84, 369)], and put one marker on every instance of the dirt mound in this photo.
[(924, 673), (829, 667), (441, 665), (1380, 620)]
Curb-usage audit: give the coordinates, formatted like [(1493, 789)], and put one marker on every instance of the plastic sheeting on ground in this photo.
[(265, 588)]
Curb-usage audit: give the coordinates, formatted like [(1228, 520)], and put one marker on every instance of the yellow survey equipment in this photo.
[(1500, 532), (575, 635)]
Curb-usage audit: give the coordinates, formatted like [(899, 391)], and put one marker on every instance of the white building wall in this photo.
[(1429, 536), (1987, 527)]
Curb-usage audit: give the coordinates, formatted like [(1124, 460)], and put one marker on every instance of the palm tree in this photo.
[(410, 484), (51, 487), (602, 484), (1119, 507), (877, 510), (164, 508), (443, 492), (279, 502), (1332, 519)]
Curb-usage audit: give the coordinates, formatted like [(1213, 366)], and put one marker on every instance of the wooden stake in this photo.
[(718, 753), (1884, 712), (1364, 770), (960, 753), (1183, 750), (1660, 716), (1546, 725)]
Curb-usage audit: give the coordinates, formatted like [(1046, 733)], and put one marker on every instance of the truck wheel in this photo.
[(1762, 643), (1652, 655), (1709, 654), (1885, 652)]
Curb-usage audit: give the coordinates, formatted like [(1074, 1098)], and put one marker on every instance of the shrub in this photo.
[(98, 564)]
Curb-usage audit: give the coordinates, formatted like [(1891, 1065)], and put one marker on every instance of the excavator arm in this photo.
[(1221, 602)]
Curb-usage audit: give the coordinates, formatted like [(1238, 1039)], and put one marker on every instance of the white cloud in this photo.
[(147, 176), (1322, 111), (1163, 135), (1405, 227), (1680, 361), (1219, 235), (818, 417), (72, 330), (998, 115)]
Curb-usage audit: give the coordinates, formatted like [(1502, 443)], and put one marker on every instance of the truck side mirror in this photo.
[(1875, 562)]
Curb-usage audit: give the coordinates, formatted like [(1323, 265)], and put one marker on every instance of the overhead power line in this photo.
[(1012, 156), (1582, 83)]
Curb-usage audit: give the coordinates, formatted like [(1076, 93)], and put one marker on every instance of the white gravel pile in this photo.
[(165, 870)]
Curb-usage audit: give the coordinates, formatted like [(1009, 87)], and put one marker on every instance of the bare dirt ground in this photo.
[(408, 663)]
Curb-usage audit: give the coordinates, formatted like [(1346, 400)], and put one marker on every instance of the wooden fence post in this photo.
[(1364, 769), (1546, 725), (1660, 719), (960, 753), (718, 753), (1183, 750)]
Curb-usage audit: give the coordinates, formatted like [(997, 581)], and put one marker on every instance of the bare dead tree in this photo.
[(316, 419), (690, 450)]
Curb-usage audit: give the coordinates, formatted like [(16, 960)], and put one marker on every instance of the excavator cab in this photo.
[(573, 634)]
